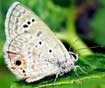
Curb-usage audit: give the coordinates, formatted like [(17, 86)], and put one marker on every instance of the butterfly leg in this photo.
[(56, 76), (78, 67)]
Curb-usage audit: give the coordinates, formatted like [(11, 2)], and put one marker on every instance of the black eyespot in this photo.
[(28, 22), (25, 26), (18, 62), (50, 50), (40, 42), (23, 71), (33, 20)]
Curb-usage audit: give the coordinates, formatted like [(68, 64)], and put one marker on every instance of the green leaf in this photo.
[(5, 78), (93, 65), (102, 2)]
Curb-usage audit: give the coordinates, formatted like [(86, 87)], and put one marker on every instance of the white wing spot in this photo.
[(21, 9), (16, 13), (14, 19)]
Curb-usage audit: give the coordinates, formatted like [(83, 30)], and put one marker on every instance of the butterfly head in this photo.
[(74, 56)]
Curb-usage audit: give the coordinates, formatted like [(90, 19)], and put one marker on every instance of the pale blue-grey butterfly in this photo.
[(32, 51)]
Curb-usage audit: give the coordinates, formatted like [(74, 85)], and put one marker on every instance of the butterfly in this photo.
[(32, 51)]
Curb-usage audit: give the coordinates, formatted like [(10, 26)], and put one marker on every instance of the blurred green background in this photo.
[(78, 23)]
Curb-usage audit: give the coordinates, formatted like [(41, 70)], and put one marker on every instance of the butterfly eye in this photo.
[(74, 55), (19, 63)]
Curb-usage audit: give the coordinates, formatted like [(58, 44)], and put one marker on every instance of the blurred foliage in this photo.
[(5, 78), (60, 16), (98, 24), (48, 12), (102, 2), (63, 3)]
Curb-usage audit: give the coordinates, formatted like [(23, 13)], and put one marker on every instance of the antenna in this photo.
[(89, 47), (73, 43)]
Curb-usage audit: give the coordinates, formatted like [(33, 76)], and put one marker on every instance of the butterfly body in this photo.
[(32, 51)]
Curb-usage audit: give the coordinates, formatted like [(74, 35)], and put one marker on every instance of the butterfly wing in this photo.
[(19, 19), (41, 46)]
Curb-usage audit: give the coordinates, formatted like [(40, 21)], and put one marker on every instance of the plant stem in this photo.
[(70, 35)]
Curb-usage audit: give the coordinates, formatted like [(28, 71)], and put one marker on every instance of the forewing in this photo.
[(19, 20), (22, 20)]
